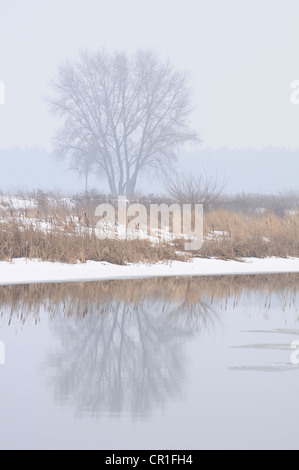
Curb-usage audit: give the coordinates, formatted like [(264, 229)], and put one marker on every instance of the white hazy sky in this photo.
[(242, 56)]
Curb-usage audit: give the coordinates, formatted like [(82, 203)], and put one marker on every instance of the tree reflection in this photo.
[(125, 356), (120, 345)]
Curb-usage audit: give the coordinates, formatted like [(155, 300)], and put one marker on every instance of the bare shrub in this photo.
[(193, 189)]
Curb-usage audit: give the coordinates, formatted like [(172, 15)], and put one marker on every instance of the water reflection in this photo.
[(119, 346), (128, 358)]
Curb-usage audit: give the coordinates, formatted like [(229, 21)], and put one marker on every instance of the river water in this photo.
[(207, 363)]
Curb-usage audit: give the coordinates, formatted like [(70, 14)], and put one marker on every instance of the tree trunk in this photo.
[(86, 182), (130, 188)]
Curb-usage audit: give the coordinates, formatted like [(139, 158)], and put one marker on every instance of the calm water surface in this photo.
[(155, 364)]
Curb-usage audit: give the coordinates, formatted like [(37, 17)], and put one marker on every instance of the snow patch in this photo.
[(22, 271)]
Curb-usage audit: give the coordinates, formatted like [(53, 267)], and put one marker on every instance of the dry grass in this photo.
[(60, 229), (32, 243), (233, 236), (63, 230)]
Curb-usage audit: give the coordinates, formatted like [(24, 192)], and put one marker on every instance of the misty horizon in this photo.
[(241, 170), (242, 84)]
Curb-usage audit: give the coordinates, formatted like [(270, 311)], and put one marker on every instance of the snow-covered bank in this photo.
[(32, 272)]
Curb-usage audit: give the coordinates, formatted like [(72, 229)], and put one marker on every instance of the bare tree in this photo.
[(192, 189), (128, 114)]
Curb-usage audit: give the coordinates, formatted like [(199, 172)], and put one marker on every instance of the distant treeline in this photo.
[(267, 170), (281, 204)]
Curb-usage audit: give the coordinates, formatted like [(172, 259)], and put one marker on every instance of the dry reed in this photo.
[(60, 229)]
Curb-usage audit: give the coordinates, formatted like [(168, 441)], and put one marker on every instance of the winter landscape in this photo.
[(149, 227)]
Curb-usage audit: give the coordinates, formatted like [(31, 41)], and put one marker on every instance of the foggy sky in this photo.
[(242, 56)]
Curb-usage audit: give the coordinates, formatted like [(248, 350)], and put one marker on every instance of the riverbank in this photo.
[(22, 271)]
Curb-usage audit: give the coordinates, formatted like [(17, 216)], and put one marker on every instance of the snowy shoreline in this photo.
[(40, 272)]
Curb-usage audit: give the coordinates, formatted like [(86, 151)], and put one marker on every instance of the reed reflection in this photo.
[(119, 346)]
